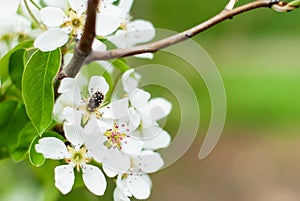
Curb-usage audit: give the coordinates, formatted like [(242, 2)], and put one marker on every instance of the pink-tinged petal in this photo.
[(78, 6), (94, 179), (52, 16), (73, 133), (109, 172), (125, 5), (50, 40), (162, 140), (139, 188), (52, 148), (132, 146), (149, 161), (8, 8), (130, 80), (134, 119), (120, 195), (139, 98), (98, 83), (64, 178), (141, 31), (116, 161), (106, 24)]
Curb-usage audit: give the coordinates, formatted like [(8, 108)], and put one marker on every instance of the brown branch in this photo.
[(84, 46), (155, 46)]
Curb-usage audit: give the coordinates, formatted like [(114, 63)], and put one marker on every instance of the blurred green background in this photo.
[(257, 157)]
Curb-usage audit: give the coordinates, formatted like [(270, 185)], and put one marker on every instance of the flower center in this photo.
[(95, 101), (78, 157), (76, 22), (115, 138)]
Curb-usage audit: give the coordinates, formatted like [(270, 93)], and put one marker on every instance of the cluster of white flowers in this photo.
[(122, 135), (60, 23)]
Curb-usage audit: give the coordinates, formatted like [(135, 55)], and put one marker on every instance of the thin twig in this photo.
[(157, 45)]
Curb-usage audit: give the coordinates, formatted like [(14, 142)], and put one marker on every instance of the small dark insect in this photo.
[(95, 101)]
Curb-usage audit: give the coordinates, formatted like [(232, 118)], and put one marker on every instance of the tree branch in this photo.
[(88, 57), (84, 46), (155, 46)]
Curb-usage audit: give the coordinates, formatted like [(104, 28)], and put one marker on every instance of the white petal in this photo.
[(60, 103), (64, 178), (57, 3), (67, 84), (52, 17), (116, 110), (132, 146), (149, 161), (72, 116), (125, 5), (94, 179), (79, 6), (98, 46), (73, 133), (145, 55), (159, 108), (139, 98), (98, 83), (141, 31), (134, 119), (130, 80), (120, 195), (8, 8), (109, 172), (116, 161), (159, 141), (106, 24), (139, 188), (50, 40), (52, 148)]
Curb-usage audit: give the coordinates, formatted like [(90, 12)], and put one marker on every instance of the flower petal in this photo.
[(52, 16), (50, 40), (8, 8), (72, 133), (98, 46), (52, 148), (64, 178), (159, 108), (106, 24), (134, 119), (57, 3), (132, 146), (79, 6), (67, 84), (116, 161), (139, 98), (94, 179), (141, 31), (109, 172), (139, 188), (125, 5), (145, 55), (149, 161), (130, 80), (98, 83), (120, 195), (159, 141)]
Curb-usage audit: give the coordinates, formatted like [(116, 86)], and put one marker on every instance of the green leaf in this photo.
[(7, 111), (295, 3), (121, 65), (25, 138), (37, 159), (37, 87), (4, 62), (16, 66), (14, 133)]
